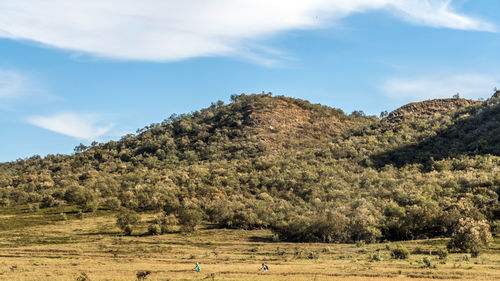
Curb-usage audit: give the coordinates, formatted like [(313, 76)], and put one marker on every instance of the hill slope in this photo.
[(429, 108), (309, 172)]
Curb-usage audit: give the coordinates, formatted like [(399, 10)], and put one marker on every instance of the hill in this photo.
[(429, 108), (308, 172)]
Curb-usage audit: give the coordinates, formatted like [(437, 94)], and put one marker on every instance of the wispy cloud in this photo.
[(80, 126), (166, 30), (12, 85), (438, 14), (420, 88)]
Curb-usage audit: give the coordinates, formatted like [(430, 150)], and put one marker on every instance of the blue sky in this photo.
[(74, 71)]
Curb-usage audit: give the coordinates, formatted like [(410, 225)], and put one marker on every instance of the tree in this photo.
[(470, 235), (85, 198), (126, 220), (189, 219), (80, 148)]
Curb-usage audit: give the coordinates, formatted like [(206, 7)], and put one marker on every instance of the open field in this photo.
[(32, 248)]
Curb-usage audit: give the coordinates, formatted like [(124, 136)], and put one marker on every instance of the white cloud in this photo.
[(437, 14), (165, 30), (467, 85), (12, 85), (80, 126)]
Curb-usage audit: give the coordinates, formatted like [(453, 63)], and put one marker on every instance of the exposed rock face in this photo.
[(429, 108), (496, 94)]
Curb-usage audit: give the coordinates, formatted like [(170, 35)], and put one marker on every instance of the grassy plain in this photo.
[(42, 246)]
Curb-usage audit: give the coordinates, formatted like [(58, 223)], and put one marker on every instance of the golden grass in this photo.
[(64, 249)]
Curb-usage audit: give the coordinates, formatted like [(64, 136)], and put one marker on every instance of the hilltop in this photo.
[(308, 172), (429, 108)]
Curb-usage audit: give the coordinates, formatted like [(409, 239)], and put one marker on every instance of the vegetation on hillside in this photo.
[(306, 171)]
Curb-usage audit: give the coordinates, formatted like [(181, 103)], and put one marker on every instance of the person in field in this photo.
[(197, 267), (264, 267)]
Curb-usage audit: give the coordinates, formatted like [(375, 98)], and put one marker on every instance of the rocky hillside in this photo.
[(429, 108)]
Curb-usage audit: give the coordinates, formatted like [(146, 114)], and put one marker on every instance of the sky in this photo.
[(77, 71)]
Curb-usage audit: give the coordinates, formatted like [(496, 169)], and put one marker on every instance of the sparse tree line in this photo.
[(344, 184)]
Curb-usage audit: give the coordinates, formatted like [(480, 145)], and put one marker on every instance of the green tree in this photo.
[(471, 235), (126, 220)]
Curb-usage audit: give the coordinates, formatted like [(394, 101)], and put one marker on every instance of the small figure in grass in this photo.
[(197, 267), (264, 267)]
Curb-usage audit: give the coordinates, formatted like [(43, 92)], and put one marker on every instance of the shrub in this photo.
[(329, 228), (400, 252), (167, 223), (427, 263), (85, 198), (126, 219), (418, 250), (141, 275), (83, 277), (80, 215), (475, 253), (47, 202), (32, 208), (154, 229), (360, 243), (470, 236), (189, 219), (127, 229), (466, 257), (376, 257), (280, 252), (111, 203), (312, 255), (495, 227), (4, 202), (442, 254), (275, 238)]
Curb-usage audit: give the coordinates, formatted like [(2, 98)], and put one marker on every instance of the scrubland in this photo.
[(46, 245)]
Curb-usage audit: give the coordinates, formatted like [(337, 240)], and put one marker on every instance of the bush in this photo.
[(85, 198), (400, 253), (376, 257), (32, 208), (141, 275), (418, 250), (427, 263), (189, 219), (111, 203), (470, 236), (360, 243), (442, 254), (127, 229), (126, 219), (80, 215), (329, 228), (4, 202), (312, 255), (167, 223), (154, 229), (47, 202), (62, 216), (495, 227), (83, 277)]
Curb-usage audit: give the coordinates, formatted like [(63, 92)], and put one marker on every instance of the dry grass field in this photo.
[(43, 246)]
